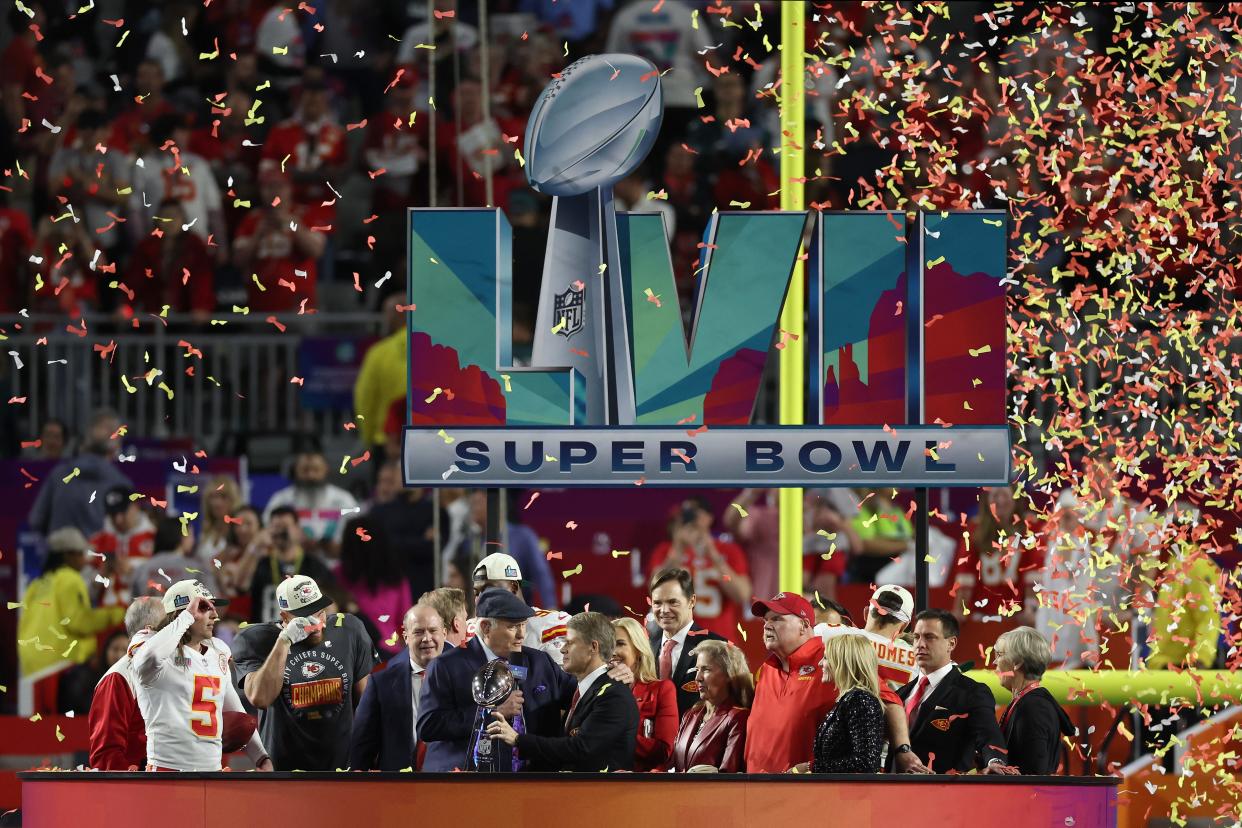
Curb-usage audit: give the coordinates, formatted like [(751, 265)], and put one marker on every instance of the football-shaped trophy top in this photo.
[(593, 125)]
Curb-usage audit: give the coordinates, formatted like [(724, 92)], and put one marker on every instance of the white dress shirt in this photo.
[(933, 679), (585, 683), (417, 674), (680, 639)]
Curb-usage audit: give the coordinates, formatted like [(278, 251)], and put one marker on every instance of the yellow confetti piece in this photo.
[(435, 393), (570, 572), (283, 161), (741, 205), (935, 261), (15, 605), (698, 96), (448, 441), (974, 352), (121, 42), (76, 471), (508, 385), (38, 717), (186, 489), (69, 649), (60, 737), (344, 462), (340, 618), (740, 510), (244, 311), (558, 326), (163, 386), (993, 222), (280, 50), (741, 631), (517, 153), (619, 553)]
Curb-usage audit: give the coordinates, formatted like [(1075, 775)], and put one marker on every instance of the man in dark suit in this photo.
[(446, 708), (601, 728), (384, 734), (672, 604), (952, 717)]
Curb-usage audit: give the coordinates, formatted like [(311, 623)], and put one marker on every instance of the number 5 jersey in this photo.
[(183, 693)]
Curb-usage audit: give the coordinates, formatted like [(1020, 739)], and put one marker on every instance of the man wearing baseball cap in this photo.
[(790, 696), (184, 685), (888, 612), (446, 709), (545, 630), (306, 673)]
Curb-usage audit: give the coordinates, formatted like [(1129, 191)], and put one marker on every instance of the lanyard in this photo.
[(1009, 710), (275, 567)]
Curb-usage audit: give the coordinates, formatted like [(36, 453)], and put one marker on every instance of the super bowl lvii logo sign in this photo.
[(906, 344)]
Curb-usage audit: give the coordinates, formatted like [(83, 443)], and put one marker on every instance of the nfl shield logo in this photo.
[(567, 310)]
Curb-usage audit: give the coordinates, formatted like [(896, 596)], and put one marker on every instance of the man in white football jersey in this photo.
[(889, 611), (184, 685), (545, 631)]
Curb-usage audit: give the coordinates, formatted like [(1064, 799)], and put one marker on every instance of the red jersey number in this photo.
[(205, 704)]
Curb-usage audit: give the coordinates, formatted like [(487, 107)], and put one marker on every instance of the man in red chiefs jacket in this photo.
[(118, 735)]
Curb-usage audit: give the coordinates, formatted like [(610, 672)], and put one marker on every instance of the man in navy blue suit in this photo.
[(384, 735), (446, 711)]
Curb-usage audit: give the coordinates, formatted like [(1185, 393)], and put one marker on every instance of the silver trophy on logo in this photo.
[(590, 128), (490, 687)]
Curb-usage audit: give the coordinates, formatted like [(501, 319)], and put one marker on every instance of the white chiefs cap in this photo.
[(497, 567), (300, 595), (178, 596), (907, 601)]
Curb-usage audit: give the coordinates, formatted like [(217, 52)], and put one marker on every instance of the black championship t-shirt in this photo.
[(307, 727)]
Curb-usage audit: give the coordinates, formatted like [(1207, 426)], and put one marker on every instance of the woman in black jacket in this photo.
[(1033, 723), (851, 737)]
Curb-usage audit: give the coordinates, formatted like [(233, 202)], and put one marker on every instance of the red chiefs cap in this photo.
[(785, 603)]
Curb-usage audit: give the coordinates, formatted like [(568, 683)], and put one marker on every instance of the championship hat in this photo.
[(178, 596), (300, 595), (785, 603), (497, 567), (905, 613)]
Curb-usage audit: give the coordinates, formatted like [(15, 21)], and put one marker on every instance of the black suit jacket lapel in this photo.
[(938, 695), (404, 718)]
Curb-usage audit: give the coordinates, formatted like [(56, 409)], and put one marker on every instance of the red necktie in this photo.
[(573, 705), (666, 658), (916, 698)]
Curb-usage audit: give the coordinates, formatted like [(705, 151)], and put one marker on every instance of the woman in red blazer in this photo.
[(713, 733), (657, 699)]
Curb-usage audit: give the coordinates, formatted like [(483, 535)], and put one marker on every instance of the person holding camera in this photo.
[(286, 558), (718, 567)]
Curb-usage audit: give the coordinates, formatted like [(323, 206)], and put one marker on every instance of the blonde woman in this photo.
[(851, 736), (221, 499), (713, 733), (657, 700)]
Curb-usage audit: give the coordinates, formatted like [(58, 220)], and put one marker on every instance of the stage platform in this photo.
[(361, 800)]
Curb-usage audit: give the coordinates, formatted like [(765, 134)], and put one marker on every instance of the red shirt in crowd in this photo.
[(1000, 574), (177, 272), (306, 148), (788, 707), (16, 242), (713, 609), (278, 264)]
